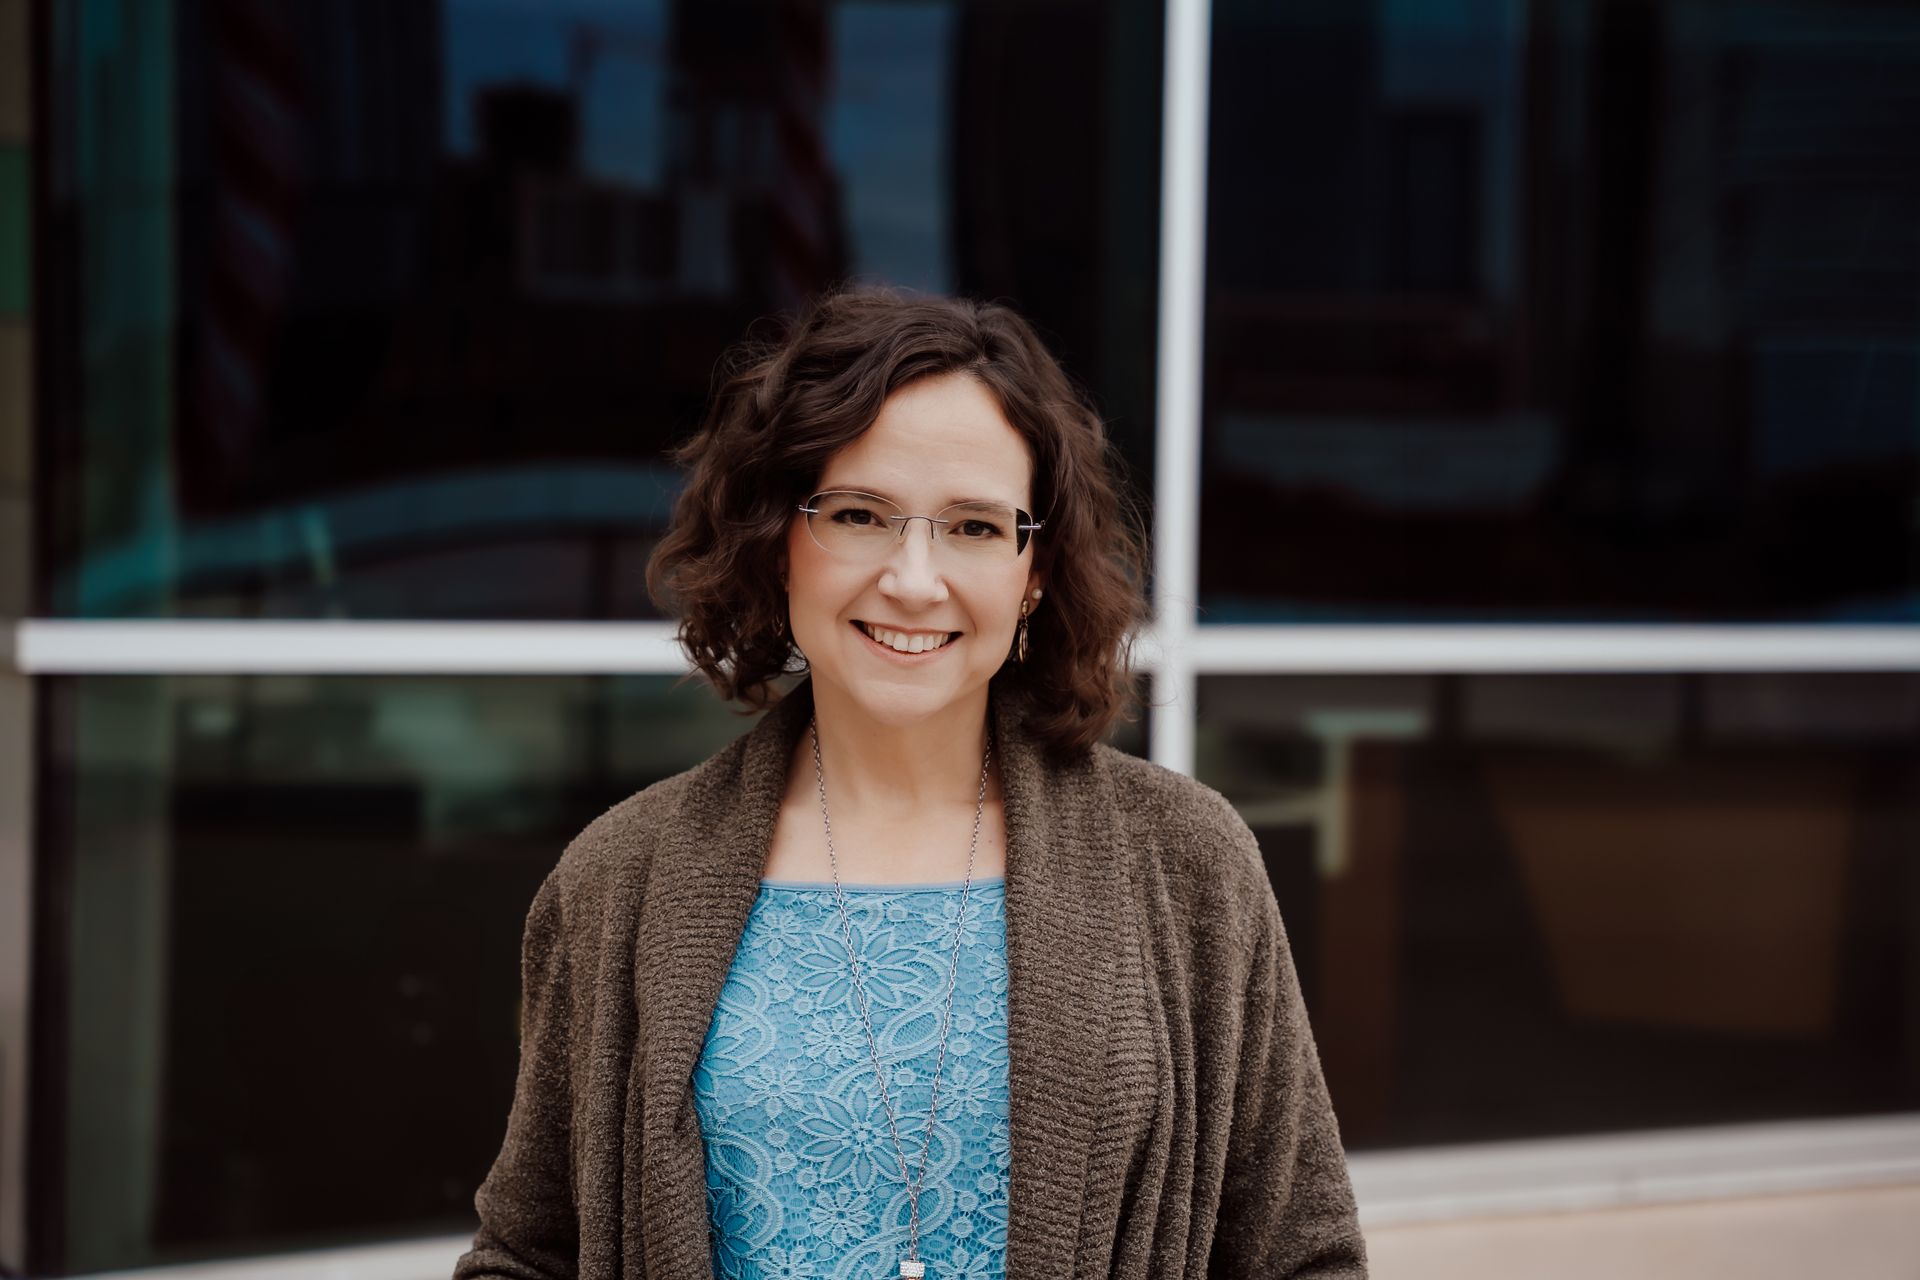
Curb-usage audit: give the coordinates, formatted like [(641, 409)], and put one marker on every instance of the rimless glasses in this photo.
[(864, 527)]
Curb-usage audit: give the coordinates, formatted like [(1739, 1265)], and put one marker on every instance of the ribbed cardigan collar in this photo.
[(1065, 896)]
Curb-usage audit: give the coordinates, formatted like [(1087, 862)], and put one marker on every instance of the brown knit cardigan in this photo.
[(1167, 1112)]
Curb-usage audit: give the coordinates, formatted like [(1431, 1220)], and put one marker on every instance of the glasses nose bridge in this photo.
[(914, 571), (933, 527)]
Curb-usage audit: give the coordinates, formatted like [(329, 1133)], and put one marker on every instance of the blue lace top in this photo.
[(802, 1175)]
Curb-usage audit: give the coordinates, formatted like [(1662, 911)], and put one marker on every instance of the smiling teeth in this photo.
[(902, 643)]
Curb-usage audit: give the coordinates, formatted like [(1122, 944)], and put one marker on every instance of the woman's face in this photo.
[(937, 441)]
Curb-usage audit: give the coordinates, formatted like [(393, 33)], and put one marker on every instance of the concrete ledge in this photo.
[(1628, 1170), (1869, 1234)]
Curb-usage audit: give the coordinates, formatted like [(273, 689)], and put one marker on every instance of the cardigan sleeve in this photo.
[(528, 1229), (1287, 1207)]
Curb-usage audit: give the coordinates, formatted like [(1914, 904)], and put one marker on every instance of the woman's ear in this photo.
[(1035, 589)]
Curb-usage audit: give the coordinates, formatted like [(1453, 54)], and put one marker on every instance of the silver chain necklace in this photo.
[(911, 1268)]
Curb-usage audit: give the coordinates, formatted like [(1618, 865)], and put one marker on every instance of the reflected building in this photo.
[(1530, 311), (392, 311), (422, 383)]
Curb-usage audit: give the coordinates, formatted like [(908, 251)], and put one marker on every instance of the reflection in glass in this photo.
[(394, 310), (288, 940), (1535, 905), (291, 941), (1563, 311)]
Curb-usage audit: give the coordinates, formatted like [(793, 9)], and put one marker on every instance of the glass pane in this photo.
[(289, 939), (1563, 311), (292, 952), (1533, 905), (393, 310)]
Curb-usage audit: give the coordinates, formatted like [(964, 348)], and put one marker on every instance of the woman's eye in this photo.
[(856, 516), (979, 529)]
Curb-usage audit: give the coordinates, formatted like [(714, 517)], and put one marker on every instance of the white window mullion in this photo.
[(1176, 490)]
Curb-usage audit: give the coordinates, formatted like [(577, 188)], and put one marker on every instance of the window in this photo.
[(1562, 312)]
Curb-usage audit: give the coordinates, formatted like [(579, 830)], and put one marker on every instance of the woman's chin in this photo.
[(904, 700)]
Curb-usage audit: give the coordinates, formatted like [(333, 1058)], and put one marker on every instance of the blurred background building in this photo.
[(1527, 394)]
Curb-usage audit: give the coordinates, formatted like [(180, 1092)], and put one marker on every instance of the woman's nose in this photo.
[(913, 570)]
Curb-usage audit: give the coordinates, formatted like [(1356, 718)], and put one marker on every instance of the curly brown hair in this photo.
[(785, 407)]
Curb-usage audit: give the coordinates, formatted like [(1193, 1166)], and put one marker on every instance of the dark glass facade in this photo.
[(1526, 906), (392, 310), (1542, 311), (290, 943), (289, 939), (1561, 311)]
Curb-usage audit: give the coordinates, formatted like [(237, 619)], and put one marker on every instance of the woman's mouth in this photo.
[(905, 644)]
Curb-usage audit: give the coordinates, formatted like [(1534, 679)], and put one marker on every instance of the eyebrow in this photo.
[(882, 493)]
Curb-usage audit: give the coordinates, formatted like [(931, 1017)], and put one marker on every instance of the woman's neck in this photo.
[(883, 770)]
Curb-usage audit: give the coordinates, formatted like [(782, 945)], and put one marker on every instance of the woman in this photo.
[(918, 976)]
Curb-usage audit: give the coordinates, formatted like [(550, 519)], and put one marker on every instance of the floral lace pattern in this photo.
[(802, 1175)]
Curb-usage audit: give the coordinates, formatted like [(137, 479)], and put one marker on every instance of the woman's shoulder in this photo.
[(1167, 796), (618, 844), (1184, 829)]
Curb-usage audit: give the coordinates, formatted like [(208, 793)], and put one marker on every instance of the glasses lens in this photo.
[(981, 530), (852, 524)]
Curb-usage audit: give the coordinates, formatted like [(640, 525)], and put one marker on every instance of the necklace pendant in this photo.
[(910, 1270)]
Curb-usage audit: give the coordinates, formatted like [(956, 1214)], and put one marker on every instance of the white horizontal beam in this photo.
[(49, 646), (1390, 647), (193, 646)]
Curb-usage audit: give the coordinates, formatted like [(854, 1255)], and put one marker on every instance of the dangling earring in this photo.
[(1020, 643)]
